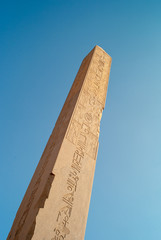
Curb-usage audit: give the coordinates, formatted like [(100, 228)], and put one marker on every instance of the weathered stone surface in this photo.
[(56, 203)]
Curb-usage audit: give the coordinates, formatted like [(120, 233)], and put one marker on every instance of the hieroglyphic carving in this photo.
[(92, 146), (96, 81), (74, 131), (90, 110), (62, 230), (83, 132), (87, 113)]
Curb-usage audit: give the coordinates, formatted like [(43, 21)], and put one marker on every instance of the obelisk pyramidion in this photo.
[(56, 203)]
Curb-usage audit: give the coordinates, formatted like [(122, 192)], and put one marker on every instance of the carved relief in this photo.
[(73, 132), (83, 132), (96, 82), (92, 145), (77, 137)]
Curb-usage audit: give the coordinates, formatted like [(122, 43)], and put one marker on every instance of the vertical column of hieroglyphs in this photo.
[(83, 133), (85, 123)]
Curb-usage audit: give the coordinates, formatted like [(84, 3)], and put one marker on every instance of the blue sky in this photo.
[(42, 44)]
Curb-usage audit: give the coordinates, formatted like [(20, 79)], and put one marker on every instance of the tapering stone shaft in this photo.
[(56, 203)]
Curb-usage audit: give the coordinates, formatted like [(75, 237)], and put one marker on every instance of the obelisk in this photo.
[(56, 203)]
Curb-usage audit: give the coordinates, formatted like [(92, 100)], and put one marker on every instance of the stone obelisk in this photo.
[(55, 205)]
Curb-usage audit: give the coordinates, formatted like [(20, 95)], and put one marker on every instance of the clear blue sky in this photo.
[(42, 44)]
